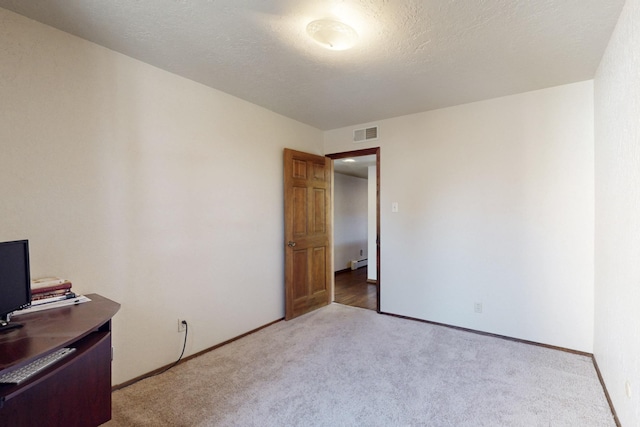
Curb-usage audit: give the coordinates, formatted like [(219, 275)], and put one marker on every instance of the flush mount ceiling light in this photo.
[(349, 160), (332, 34)]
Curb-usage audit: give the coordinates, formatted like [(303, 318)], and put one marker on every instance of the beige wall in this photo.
[(158, 192), (150, 189), (350, 220), (617, 225), (495, 206)]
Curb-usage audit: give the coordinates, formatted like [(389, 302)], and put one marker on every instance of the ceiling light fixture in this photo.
[(349, 160), (334, 35)]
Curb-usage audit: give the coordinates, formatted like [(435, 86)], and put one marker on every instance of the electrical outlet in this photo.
[(182, 325), (477, 307), (627, 389)]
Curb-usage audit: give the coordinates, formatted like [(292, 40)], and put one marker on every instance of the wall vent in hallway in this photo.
[(368, 134)]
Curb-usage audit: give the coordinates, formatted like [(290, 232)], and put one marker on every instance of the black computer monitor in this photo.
[(15, 280)]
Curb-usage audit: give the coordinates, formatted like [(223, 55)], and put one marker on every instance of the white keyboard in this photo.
[(26, 372)]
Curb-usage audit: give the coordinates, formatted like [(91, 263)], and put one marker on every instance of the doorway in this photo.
[(357, 284)]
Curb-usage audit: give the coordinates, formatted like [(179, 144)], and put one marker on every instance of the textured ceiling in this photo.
[(412, 55)]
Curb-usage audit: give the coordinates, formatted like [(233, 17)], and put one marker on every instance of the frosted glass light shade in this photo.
[(331, 34)]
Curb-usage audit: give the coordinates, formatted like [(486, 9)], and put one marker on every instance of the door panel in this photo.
[(300, 268), (307, 203), (318, 279), (319, 211), (299, 211)]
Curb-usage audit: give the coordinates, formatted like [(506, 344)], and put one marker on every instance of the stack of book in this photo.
[(51, 292), (50, 289)]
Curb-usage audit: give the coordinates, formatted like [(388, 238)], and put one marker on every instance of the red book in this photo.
[(47, 289)]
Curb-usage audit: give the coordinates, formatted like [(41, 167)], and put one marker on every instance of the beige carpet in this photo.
[(345, 366)]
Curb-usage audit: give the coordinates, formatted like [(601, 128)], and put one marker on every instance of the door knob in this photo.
[(291, 244)]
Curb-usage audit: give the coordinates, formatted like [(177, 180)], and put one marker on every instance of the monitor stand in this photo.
[(5, 325)]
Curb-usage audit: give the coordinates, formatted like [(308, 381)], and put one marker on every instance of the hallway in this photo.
[(351, 288)]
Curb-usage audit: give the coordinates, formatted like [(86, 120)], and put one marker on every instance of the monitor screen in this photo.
[(15, 278)]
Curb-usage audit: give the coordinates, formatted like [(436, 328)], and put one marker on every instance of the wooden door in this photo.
[(307, 215)]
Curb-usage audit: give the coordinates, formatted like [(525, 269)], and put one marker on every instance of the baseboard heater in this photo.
[(357, 264)]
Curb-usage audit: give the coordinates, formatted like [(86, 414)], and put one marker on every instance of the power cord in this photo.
[(184, 345)]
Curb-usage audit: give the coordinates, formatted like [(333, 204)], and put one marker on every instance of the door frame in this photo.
[(358, 153)]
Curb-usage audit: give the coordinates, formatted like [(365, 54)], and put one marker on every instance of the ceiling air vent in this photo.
[(368, 134)]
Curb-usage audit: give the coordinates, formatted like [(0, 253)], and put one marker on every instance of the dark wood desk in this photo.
[(73, 392)]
